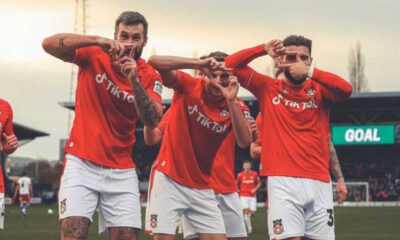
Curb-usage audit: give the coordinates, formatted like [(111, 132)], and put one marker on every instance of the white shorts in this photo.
[(249, 203), (169, 201), (2, 210), (300, 207), (115, 192), (231, 212)]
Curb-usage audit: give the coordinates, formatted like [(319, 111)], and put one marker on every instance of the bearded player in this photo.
[(295, 154), (115, 89)]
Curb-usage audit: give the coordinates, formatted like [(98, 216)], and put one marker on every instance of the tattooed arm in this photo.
[(64, 45), (336, 170), (148, 110)]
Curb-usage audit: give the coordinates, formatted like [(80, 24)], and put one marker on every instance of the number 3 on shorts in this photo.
[(330, 222)]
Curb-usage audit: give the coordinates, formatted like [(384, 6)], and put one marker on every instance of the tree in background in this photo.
[(356, 69)]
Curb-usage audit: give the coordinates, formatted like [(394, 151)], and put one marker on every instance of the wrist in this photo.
[(340, 178)]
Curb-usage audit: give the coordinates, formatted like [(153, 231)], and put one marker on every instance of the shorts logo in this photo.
[(63, 206), (153, 220), (278, 227)]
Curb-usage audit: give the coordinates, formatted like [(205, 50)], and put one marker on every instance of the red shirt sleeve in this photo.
[(184, 82), (334, 88), (82, 56), (9, 128), (164, 121), (248, 77), (154, 86)]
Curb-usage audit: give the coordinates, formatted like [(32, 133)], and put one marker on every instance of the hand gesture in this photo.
[(114, 48), (127, 65), (209, 65), (299, 70), (341, 191), (230, 92), (253, 128), (275, 48)]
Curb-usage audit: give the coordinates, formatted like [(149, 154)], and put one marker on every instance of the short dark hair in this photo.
[(297, 40), (132, 18), (219, 56), (203, 57), (23, 173), (247, 161)]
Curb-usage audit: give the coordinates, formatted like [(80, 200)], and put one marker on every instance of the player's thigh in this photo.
[(74, 228), (245, 202), (232, 214), (320, 217), (124, 233), (253, 204), (119, 203), (168, 200), (77, 198), (286, 217), (204, 213)]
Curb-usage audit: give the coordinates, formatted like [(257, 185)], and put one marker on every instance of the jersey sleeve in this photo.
[(82, 56), (184, 82), (9, 127), (334, 88), (164, 121), (248, 77), (154, 86)]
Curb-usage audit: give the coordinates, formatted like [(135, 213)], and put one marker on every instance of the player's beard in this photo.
[(291, 78)]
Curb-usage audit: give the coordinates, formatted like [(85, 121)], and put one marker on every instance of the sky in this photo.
[(34, 82)]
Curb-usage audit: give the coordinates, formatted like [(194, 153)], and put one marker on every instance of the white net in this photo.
[(357, 191)]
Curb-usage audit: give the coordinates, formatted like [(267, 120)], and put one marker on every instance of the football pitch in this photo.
[(352, 223)]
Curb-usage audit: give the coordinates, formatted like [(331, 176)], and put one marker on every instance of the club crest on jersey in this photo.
[(158, 87), (310, 92), (63, 206), (224, 113), (278, 227), (153, 220)]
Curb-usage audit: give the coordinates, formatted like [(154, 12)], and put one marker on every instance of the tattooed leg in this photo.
[(123, 233), (74, 228)]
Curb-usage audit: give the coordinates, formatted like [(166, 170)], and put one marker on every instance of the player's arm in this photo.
[(16, 192), (9, 142), (254, 190), (240, 126), (30, 189), (152, 136), (239, 60), (255, 151), (64, 45), (336, 170), (334, 88), (166, 66)]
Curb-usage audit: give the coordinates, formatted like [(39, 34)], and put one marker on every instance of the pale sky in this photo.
[(34, 82)]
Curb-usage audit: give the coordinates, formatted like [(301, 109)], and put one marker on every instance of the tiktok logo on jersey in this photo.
[(205, 121), (293, 104), (113, 89)]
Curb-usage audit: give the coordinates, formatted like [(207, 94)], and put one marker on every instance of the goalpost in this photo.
[(357, 192)]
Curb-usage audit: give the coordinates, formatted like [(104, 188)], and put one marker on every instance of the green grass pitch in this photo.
[(352, 223)]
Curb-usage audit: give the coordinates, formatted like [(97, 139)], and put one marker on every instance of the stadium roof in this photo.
[(361, 108), (26, 133)]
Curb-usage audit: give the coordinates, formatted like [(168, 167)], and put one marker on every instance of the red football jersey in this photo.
[(196, 129), (223, 173), (105, 115), (296, 120), (247, 182), (6, 126)]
